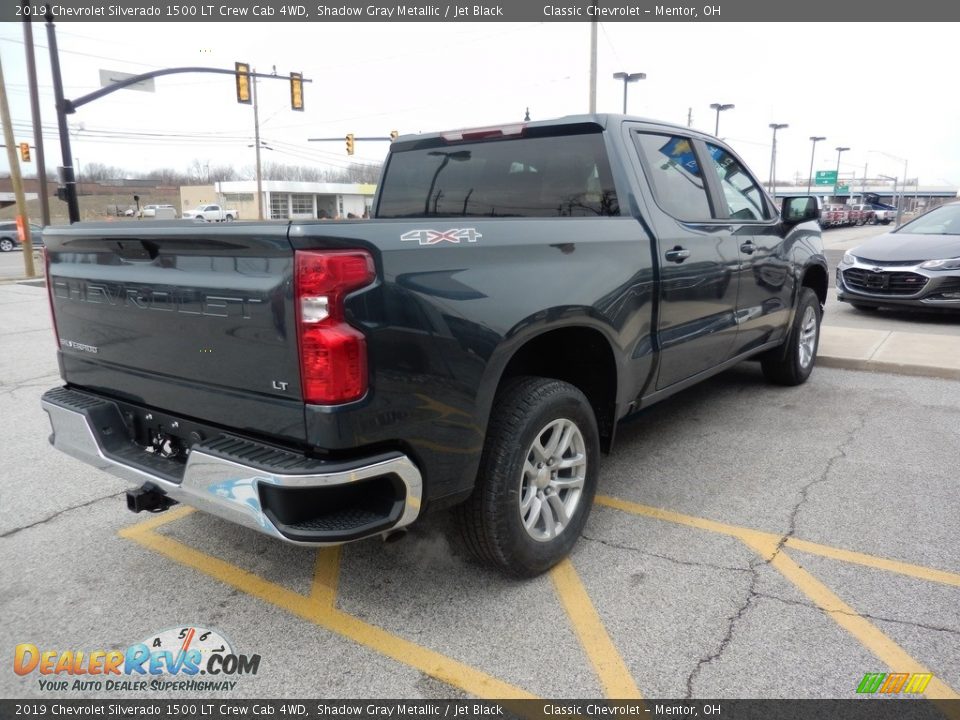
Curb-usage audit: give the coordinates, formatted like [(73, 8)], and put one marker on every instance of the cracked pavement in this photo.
[(857, 461)]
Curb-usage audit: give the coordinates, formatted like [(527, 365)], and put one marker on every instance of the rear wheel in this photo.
[(793, 364), (537, 477)]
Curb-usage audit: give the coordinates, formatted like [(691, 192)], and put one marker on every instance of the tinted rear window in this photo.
[(566, 176)]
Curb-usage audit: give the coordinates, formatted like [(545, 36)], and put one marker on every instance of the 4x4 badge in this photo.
[(433, 237)]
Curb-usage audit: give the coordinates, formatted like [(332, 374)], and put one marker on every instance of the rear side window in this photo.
[(558, 176), (675, 175)]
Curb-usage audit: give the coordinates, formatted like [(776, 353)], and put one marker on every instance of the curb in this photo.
[(879, 366)]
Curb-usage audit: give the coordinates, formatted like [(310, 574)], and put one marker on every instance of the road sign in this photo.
[(842, 189), (825, 177), (112, 77)]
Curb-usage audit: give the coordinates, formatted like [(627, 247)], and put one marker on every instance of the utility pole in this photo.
[(593, 67), (689, 117), (256, 142), (23, 224), (35, 115)]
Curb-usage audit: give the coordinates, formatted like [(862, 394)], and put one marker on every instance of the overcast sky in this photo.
[(870, 87)]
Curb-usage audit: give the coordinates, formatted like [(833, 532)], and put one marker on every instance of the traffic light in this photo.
[(296, 91), (243, 83), (394, 135), (350, 144), (25, 152)]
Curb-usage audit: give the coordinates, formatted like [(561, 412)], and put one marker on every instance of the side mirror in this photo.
[(795, 210)]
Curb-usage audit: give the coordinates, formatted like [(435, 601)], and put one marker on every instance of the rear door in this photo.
[(697, 255)]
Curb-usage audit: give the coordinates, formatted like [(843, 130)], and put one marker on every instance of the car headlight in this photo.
[(946, 264), (849, 258)]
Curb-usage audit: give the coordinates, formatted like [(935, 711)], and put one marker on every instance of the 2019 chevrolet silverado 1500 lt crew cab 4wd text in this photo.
[(520, 290)]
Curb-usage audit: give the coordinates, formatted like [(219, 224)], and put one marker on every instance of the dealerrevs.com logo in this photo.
[(188, 658)]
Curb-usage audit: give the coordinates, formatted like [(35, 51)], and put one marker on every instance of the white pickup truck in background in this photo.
[(211, 213)]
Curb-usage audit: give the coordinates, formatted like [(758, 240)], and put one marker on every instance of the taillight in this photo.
[(333, 355), (46, 272)]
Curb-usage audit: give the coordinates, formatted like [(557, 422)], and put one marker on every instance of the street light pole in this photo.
[(773, 156), (720, 107), (903, 186), (815, 139), (836, 183), (628, 78)]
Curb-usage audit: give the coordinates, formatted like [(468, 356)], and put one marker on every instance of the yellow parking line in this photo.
[(314, 610), (681, 519), (326, 576), (158, 520), (894, 566), (607, 662), (870, 636), (743, 533)]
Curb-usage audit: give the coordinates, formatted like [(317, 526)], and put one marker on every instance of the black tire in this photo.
[(229, 218), (6, 244), (529, 409), (792, 364)]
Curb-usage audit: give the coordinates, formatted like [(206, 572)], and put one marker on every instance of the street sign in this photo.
[(112, 77), (825, 177), (842, 189)]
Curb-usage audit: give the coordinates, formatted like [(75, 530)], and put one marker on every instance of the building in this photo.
[(283, 199), (916, 198)]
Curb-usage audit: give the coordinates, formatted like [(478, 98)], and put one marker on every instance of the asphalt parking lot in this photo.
[(749, 541)]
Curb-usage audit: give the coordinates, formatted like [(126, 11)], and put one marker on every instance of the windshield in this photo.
[(944, 220)]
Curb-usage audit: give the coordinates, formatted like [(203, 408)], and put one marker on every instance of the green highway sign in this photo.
[(825, 177), (842, 189)]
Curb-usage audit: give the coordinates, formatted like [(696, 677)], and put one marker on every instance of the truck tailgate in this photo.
[(199, 320)]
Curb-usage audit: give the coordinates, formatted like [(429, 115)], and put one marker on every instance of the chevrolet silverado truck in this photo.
[(520, 290)]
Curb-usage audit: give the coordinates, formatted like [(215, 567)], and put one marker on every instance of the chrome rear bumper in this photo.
[(263, 493)]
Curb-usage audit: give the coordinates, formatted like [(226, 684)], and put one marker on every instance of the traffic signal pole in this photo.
[(67, 179), (256, 142), (66, 107)]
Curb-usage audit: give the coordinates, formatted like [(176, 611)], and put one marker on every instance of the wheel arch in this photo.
[(577, 354), (815, 278)]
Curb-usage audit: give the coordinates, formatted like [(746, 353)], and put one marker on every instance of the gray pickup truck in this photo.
[(520, 290)]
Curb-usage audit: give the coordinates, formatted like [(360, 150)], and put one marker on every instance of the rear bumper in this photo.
[(283, 494)]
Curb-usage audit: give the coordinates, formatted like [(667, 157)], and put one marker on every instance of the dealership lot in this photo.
[(750, 541)]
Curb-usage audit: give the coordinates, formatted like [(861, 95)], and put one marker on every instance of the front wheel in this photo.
[(793, 364), (538, 475), (6, 245)]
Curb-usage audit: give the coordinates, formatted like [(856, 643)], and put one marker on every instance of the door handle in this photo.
[(748, 247), (677, 255)]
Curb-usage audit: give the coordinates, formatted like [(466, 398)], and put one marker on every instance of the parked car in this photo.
[(160, 212), (834, 216), (10, 237), (863, 214), (916, 265)]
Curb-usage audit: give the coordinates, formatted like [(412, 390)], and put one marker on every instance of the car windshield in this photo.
[(944, 220)]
